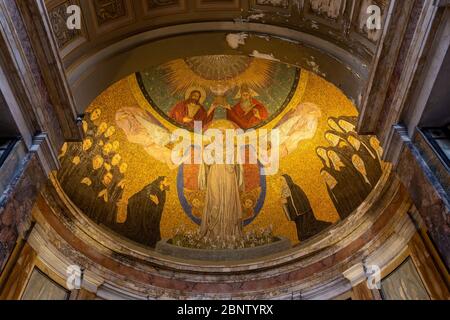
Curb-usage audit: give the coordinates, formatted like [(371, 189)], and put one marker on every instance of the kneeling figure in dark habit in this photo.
[(144, 214), (298, 209)]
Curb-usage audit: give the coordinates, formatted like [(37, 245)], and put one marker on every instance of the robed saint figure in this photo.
[(144, 213), (248, 112), (222, 218), (190, 110), (298, 209)]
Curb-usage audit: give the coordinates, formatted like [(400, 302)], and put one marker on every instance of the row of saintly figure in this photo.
[(351, 166), (351, 169), (92, 174)]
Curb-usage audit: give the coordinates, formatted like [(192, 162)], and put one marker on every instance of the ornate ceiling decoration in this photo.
[(339, 21)]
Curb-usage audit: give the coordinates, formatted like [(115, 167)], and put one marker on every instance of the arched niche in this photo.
[(91, 75)]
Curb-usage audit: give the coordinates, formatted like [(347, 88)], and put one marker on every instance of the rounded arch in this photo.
[(90, 75)]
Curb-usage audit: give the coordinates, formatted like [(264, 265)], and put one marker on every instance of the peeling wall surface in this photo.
[(332, 29), (329, 8), (95, 74)]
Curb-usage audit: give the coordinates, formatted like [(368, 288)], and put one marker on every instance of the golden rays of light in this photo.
[(218, 72)]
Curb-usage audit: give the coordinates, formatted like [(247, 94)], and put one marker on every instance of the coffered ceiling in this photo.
[(341, 22)]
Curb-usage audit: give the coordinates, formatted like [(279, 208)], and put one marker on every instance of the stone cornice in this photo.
[(313, 270)]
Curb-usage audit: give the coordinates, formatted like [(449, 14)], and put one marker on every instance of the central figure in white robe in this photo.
[(222, 215)]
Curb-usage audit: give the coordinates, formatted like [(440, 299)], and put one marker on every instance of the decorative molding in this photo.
[(24, 119), (374, 98), (427, 73), (108, 291), (403, 74), (97, 72), (328, 18), (60, 104), (313, 270), (217, 5), (428, 195), (278, 4), (389, 250), (327, 291), (355, 274), (17, 80), (45, 153), (67, 39), (153, 14), (406, 70), (394, 246), (57, 262), (396, 139), (326, 11), (160, 8), (434, 160), (383, 194), (362, 16), (58, 17), (108, 15), (107, 11), (15, 209)]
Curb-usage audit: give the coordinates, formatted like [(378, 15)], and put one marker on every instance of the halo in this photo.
[(253, 93), (199, 89)]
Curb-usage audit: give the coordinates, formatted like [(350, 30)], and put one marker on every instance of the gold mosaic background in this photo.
[(303, 165)]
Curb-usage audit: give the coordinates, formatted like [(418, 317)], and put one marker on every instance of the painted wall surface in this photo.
[(122, 175)]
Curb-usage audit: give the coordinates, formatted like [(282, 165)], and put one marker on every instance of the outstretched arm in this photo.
[(141, 128), (301, 124)]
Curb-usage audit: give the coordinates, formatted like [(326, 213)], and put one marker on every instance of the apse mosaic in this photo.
[(219, 81), (123, 176)]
